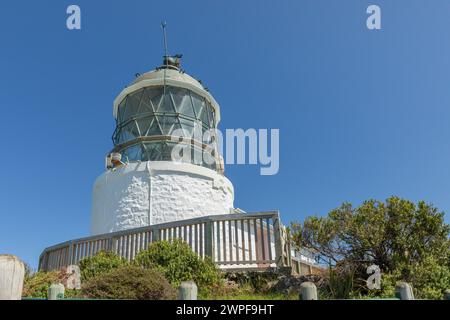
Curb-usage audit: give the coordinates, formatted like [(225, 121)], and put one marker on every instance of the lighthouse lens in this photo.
[(149, 117)]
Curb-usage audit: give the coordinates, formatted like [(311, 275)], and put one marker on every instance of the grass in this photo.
[(252, 296)]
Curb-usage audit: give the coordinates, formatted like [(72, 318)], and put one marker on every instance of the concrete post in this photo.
[(12, 272), (73, 280), (55, 291), (403, 291), (308, 291), (187, 291), (447, 294)]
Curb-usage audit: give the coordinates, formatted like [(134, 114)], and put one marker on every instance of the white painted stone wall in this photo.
[(122, 199)]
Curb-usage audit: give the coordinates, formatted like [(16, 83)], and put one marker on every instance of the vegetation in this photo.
[(101, 263), (251, 296), (36, 284), (129, 282), (177, 262), (252, 281), (409, 242), (340, 283), (173, 261)]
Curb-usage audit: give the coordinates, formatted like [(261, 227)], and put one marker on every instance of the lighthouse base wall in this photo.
[(148, 193)]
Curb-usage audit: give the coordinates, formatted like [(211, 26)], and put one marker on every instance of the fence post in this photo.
[(308, 291), (403, 291), (155, 234), (278, 241), (209, 250), (114, 243), (187, 291), (55, 292), (42, 261), (73, 275), (70, 259), (447, 294), (12, 272)]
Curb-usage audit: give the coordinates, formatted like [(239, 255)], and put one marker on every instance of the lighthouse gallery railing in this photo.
[(235, 241)]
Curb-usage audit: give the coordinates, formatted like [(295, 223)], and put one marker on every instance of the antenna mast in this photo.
[(166, 57), (163, 26)]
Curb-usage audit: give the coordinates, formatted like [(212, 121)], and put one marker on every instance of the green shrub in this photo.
[(408, 241), (340, 283), (102, 262), (128, 282), (429, 279), (36, 285), (178, 263)]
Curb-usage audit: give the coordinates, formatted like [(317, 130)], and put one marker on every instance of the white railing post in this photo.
[(278, 240), (209, 249)]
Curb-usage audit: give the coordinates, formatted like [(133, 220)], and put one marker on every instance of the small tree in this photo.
[(408, 241), (178, 263), (102, 262)]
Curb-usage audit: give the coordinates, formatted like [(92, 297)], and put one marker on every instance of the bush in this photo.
[(102, 262), (407, 241), (128, 282), (340, 283), (430, 278), (36, 285), (178, 263)]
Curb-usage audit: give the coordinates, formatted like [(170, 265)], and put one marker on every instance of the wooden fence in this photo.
[(235, 241)]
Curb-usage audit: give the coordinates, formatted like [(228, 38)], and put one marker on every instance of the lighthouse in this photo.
[(158, 116)]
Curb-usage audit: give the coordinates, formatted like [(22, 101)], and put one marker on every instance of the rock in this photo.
[(291, 284), (230, 285)]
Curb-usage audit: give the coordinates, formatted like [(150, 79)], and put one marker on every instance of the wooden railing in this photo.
[(235, 241)]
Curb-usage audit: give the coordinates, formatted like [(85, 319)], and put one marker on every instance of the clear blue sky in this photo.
[(362, 114)]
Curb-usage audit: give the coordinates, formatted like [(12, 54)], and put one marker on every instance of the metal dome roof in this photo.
[(173, 77), (170, 74)]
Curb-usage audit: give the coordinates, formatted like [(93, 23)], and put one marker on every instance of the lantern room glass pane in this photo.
[(132, 153), (166, 104), (162, 151), (188, 127), (149, 126), (133, 102), (156, 97), (154, 128), (146, 105), (200, 108), (182, 101), (121, 109), (198, 104), (167, 123), (210, 116)]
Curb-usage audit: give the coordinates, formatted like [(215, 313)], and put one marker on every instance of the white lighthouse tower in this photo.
[(142, 184)]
